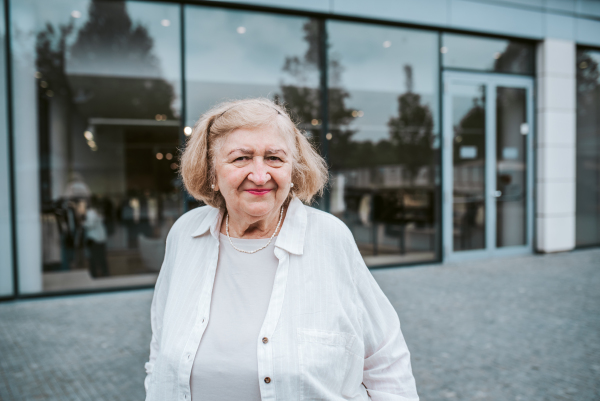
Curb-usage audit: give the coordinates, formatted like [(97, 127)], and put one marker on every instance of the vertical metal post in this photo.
[(183, 111), (324, 87), (11, 156), (438, 219)]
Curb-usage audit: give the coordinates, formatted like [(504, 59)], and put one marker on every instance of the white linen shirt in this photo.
[(329, 333)]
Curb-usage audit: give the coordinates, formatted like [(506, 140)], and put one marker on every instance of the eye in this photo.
[(241, 158), (274, 158)]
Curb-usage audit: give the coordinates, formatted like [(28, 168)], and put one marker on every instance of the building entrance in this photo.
[(487, 157)]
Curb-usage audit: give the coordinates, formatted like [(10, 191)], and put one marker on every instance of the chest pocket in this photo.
[(330, 365)]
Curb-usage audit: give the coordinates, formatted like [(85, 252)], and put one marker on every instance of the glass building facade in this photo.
[(102, 95), (588, 148)]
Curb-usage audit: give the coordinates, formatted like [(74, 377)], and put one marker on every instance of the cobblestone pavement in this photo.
[(525, 328)]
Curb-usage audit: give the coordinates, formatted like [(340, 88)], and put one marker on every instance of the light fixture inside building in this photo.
[(49, 93), (161, 117), (165, 22), (174, 166), (76, 14), (44, 84), (583, 65), (37, 74), (387, 44), (443, 49), (159, 156), (187, 131), (169, 156), (89, 137), (329, 136), (314, 121), (241, 30)]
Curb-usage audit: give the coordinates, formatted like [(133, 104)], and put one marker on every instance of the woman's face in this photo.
[(254, 171)]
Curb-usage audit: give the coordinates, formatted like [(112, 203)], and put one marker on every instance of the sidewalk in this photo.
[(525, 328)]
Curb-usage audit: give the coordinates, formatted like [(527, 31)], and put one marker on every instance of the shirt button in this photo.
[(265, 340), (267, 380)]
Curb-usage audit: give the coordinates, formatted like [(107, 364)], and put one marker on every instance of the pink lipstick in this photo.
[(258, 191)]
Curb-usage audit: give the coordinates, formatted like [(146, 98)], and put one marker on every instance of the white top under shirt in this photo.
[(226, 364)]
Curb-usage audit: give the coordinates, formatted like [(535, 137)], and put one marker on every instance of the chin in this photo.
[(259, 207)]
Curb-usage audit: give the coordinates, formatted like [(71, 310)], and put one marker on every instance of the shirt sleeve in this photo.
[(387, 371), (157, 308)]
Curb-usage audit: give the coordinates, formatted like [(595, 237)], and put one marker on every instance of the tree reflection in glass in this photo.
[(468, 160), (108, 137), (383, 147)]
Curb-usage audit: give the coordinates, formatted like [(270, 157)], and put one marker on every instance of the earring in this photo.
[(213, 186), (291, 185)]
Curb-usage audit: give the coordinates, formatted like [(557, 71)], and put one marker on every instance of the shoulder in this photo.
[(323, 219), (190, 221), (328, 227)]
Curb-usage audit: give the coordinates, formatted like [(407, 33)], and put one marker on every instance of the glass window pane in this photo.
[(468, 160), (240, 54), (588, 149), (97, 109), (383, 139), (6, 260), (486, 54), (511, 166)]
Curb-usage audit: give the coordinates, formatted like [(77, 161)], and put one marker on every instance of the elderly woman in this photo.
[(259, 296)]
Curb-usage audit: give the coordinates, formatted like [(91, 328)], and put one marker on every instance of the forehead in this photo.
[(257, 139)]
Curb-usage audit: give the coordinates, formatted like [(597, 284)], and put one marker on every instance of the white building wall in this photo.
[(555, 146)]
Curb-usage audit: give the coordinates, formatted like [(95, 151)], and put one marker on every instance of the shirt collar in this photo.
[(290, 237)]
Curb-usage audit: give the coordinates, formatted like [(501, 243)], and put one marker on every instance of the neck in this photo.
[(250, 227)]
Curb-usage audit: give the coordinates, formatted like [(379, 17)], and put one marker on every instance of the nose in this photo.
[(259, 174)]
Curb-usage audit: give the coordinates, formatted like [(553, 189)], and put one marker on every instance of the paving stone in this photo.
[(515, 329)]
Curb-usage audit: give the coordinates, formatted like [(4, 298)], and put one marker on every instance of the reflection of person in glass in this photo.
[(95, 234), (260, 296)]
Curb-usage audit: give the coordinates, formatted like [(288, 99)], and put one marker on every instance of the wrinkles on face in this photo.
[(254, 172)]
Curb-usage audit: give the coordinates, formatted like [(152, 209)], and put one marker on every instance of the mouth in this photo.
[(258, 192)]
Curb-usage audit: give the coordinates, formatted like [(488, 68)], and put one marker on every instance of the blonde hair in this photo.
[(309, 170)]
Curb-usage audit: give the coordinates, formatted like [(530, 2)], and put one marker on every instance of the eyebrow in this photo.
[(243, 150), (249, 151)]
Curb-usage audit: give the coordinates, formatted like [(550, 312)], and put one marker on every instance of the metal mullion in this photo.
[(530, 165), (324, 87), (10, 144), (490, 166), (183, 111), (447, 170)]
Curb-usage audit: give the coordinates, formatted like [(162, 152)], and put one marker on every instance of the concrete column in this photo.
[(555, 146)]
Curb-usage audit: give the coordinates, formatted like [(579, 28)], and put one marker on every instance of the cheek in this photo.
[(282, 178), (232, 177)]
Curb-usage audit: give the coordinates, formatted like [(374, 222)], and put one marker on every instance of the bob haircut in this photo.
[(309, 170)]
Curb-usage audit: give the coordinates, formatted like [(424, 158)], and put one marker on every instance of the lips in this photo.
[(258, 191)]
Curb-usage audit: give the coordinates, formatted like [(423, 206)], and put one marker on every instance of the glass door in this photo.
[(487, 139)]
